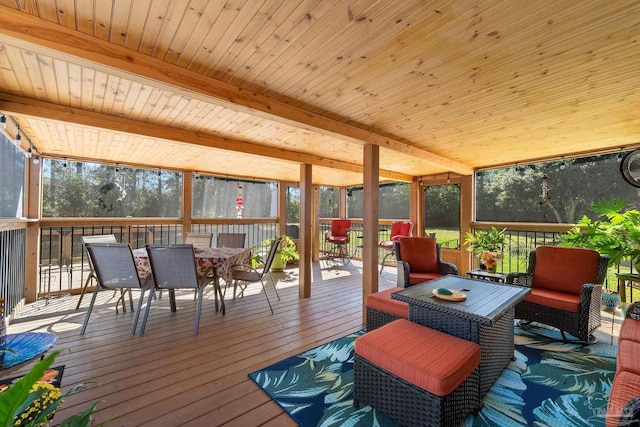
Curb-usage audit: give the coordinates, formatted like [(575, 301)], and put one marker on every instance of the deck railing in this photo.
[(64, 266), (12, 261)]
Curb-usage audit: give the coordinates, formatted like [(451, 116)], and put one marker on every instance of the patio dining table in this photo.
[(211, 264)]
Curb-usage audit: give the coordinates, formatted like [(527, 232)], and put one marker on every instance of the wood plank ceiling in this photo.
[(254, 88)]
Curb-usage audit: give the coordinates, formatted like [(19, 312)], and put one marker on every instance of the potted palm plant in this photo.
[(487, 246)]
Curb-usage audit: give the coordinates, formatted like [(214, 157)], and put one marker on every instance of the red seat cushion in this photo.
[(559, 300), (630, 330), (432, 360), (565, 269), (337, 239), (416, 278), (628, 356), (387, 244), (382, 301), (420, 253), (626, 386)]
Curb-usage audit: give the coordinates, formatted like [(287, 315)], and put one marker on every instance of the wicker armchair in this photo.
[(566, 290), (419, 261)]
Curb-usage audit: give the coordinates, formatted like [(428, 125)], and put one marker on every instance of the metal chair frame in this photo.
[(389, 245), (247, 273), (231, 240), (174, 267), (201, 240), (115, 269), (100, 238), (339, 249)]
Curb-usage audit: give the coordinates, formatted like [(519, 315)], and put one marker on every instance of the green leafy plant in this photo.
[(287, 249), (485, 241), (25, 403), (615, 234)]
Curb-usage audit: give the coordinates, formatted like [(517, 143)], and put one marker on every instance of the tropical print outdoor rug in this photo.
[(549, 384)]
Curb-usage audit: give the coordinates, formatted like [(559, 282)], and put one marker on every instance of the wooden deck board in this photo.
[(171, 377)]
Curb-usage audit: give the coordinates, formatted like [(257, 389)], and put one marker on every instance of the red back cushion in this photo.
[(420, 253), (400, 229), (339, 227), (565, 269)]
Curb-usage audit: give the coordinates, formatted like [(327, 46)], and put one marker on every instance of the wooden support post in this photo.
[(342, 205), (416, 207), (315, 228), (467, 209), (370, 224), (282, 208), (32, 244), (306, 220), (187, 203)]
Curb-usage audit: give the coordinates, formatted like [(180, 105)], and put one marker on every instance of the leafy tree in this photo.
[(513, 194)]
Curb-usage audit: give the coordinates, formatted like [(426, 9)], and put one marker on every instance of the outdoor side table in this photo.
[(25, 346), (485, 317), (484, 275), (632, 279)]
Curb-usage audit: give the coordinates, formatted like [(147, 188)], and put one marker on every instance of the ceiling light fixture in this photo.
[(563, 164), (619, 158), (36, 159), (448, 177), (18, 140), (28, 153), (64, 165), (3, 122)]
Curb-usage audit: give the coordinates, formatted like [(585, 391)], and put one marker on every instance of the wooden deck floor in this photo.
[(169, 377)]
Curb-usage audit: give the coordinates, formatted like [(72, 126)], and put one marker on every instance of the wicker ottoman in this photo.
[(417, 376), (381, 309)]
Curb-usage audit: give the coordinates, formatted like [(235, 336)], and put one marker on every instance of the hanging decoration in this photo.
[(239, 201), (544, 190)]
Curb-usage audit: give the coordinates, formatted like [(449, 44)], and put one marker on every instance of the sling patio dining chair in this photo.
[(174, 267), (243, 274), (100, 238), (115, 269), (231, 240), (199, 240)]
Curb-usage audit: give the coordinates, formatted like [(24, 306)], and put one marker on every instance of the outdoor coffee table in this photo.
[(485, 275), (485, 317)]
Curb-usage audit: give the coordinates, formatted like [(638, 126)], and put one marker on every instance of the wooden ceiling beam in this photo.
[(16, 105), (27, 28)]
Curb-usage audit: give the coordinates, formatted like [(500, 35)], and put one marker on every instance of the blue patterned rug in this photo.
[(549, 383)]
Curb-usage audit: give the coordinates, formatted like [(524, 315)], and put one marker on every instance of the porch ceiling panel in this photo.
[(82, 142), (440, 85)]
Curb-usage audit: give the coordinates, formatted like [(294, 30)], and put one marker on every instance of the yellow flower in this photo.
[(42, 403)]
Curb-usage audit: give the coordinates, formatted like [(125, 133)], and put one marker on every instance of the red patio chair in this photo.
[(566, 290), (419, 260), (339, 238), (398, 229)]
